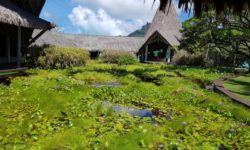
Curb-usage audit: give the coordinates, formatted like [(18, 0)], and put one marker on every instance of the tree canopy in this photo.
[(227, 35)]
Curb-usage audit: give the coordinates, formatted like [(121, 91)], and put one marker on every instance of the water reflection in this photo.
[(108, 84), (132, 111)]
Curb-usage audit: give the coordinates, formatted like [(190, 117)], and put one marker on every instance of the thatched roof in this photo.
[(91, 43), (235, 6), (32, 6), (167, 25), (14, 15)]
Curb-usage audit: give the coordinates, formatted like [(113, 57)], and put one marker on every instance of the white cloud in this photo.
[(112, 17), (123, 9), (101, 23)]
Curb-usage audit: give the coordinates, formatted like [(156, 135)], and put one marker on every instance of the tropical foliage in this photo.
[(52, 57), (222, 39), (183, 57), (199, 6), (118, 57), (64, 109)]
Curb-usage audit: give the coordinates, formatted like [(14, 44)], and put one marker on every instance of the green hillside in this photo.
[(141, 32)]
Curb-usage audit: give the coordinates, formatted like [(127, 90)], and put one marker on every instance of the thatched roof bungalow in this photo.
[(162, 36), (94, 44), (158, 44), (18, 19)]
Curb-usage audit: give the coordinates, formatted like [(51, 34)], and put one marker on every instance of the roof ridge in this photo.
[(89, 35), (167, 23)]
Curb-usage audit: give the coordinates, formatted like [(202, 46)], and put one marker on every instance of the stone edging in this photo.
[(219, 87)]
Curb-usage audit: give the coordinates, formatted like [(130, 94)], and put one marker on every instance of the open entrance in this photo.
[(8, 46), (94, 54), (156, 48), (158, 51)]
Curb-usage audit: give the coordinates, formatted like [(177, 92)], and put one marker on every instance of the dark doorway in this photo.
[(94, 54), (156, 48), (157, 51)]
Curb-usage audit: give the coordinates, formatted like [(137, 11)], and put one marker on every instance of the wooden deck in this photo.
[(4, 73)]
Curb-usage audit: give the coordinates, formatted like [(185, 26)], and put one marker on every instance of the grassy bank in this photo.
[(240, 86)]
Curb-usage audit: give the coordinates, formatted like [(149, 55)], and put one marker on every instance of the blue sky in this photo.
[(101, 17)]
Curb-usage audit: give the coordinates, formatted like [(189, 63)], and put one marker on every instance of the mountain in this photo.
[(141, 32)]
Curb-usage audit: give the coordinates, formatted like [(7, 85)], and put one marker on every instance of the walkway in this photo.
[(219, 86)]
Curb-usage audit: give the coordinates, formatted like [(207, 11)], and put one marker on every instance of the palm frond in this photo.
[(234, 6)]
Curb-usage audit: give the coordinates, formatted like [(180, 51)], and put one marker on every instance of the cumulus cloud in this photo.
[(112, 17), (123, 9), (101, 23)]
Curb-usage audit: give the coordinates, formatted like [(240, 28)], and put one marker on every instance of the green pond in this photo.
[(150, 106)]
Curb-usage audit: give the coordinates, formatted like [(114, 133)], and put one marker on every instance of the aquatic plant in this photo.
[(61, 109)]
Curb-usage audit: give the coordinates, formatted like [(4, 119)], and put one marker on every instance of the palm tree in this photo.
[(235, 6)]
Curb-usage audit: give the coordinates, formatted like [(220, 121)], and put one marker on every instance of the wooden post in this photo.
[(168, 55), (146, 53), (19, 46), (207, 54), (8, 48)]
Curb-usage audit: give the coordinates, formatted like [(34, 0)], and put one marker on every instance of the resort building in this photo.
[(158, 44), (18, 19)]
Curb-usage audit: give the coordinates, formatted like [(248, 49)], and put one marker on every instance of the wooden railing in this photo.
[(11, 72)]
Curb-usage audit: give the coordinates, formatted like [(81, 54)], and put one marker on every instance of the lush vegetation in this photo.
[(184, 58), (240, 86), (52, 57), (118, 57), (63, 109), (222, 40)]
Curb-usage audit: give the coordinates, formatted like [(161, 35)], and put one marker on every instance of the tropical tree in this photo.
[(225, 34)]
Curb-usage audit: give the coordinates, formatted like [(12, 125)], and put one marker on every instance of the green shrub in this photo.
[(51, 57), (127, 60), (118, 57), (196, 60), (182, 57), (32, 55)]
